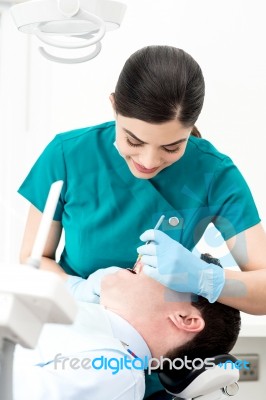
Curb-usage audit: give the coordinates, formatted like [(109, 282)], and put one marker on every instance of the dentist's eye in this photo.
[(172, 150), (133, 144)]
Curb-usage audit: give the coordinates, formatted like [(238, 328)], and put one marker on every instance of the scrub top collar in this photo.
[(130, 337)]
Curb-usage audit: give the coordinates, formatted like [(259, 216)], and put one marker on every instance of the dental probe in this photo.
[(46, 221), (157, 226)]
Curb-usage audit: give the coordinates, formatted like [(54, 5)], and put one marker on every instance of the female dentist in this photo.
[(120, 177)]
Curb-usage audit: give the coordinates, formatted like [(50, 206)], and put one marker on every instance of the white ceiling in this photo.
[(11, 2), (5, 4)]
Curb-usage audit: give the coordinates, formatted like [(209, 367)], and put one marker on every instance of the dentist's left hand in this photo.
[(89, 289), (171, 264)]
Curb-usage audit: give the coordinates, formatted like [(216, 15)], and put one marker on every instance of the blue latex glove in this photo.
[(89, 289), (171, 264)]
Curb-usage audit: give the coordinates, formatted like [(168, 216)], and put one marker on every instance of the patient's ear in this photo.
[(187, 321)]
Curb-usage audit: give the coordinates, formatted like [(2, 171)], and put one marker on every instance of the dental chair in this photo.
[(205, 383)]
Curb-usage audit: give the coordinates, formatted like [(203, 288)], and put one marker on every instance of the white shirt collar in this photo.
[(125, 332)]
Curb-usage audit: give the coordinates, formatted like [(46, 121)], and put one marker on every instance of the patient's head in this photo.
[(170, 322), (163, 323)]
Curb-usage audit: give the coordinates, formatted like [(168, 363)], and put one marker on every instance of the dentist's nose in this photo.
[(150, 159)]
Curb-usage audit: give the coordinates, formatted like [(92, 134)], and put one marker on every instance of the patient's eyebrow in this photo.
[(141, 141)]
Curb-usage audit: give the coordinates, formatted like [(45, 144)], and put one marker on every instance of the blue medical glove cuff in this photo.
[(211, 283), (198, 277)]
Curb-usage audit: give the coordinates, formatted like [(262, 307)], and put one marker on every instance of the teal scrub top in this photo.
[(104, 208)]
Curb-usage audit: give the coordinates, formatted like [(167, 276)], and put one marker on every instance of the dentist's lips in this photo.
[(144, 170)]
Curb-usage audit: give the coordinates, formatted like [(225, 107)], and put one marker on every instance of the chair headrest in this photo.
[(201, 380)]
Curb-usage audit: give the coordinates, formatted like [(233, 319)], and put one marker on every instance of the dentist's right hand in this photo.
[(171, 264), (89, 289)]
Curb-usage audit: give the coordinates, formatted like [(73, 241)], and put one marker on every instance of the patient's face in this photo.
[(127, 294)]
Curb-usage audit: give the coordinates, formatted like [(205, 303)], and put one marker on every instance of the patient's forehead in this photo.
[(168, 294), (177, 297)]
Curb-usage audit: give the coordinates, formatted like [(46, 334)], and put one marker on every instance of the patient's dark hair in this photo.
[(222, 326), (161, 83)]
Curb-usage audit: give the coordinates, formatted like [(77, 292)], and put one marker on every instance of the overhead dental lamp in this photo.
[(69, 24)]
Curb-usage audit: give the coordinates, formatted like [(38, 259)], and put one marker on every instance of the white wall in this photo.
[(252, 390), (39, 99)]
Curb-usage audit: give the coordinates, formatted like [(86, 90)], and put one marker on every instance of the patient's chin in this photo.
[(108, 288)]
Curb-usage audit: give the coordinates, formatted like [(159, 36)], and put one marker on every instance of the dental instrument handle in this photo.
[(157, 226), (46, 221), (160, 220)]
